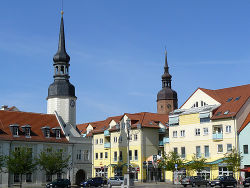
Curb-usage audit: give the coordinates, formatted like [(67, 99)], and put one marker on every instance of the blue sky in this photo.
[(117, 51)]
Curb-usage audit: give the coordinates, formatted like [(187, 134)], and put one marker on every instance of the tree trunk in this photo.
[(21, 180)]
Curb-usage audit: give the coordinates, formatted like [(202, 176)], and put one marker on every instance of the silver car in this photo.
[(115, 181)]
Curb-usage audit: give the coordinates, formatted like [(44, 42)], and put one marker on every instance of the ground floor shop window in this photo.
[(28, 177), (118, 171), (59, 176), (101, 172), (48, 177), (205, 173), (223, 171), (16, 178)]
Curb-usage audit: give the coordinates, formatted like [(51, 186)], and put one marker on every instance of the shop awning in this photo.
[(247, 169), (113, 165), (131, 165), (218, 161)]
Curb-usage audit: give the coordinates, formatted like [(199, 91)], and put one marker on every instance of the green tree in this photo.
[(2, 162), (197, 163), (20, 162), (53, 162), (169, 161), (233, 160)]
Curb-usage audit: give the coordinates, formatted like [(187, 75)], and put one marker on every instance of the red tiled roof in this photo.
[(245, 123), (35, 120), (222, 95), (146, 119)]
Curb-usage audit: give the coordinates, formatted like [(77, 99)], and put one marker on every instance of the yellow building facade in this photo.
[(110, 151), (206, 127)]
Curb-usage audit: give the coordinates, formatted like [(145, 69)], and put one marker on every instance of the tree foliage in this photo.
[(197, 164), (233, 160), (169, 160), (2, 162), (53, 162), (20, 162)]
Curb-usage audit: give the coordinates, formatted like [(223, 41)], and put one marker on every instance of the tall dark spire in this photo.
[(166, 77), (61, 85), (61, 54), (167, 99)]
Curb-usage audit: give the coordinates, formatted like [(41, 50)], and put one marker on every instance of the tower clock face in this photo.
[(72, 103)]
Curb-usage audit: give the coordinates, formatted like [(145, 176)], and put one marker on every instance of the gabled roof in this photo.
[(35, 120), (245, 123), (146, 119), (223, 95), (227, 108)]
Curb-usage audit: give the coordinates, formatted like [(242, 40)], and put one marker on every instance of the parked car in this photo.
[(224, 181), (59, 183), (97, 181), (115, 181), (193, 181), (246, 182)]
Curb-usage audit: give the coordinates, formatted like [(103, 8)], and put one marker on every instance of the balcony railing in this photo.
[(217, 136), (165, 140), (161, 143), (107, 145), (162, 130), (106, 133)]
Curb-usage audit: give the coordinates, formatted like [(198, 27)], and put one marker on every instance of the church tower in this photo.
[(61, 93), (167, 100)]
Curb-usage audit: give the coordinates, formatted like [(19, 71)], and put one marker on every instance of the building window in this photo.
[(106, 155), (120, 139), (16, 178), (224, 171), (96, 141), (28, 177), (205, 131), (245, 149), (228, 129), (130, 155), (220, 148), (79, 155), (27, 132), (182, 133), (176, 150), (175, 134), (101, 155), (229, 147), (57, 133), (197, 132), (115, 156), (47, 133), (120, 156), (136, 155), (183, 152), (130, 137), (206, 149), (198, 151), (96, 155), (101, 140), (15, 131), (135, 137), (86, 155), (115, 139)]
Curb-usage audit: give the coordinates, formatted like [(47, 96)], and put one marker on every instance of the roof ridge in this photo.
[(26, 112)]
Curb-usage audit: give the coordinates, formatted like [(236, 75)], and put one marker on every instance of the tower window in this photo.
[(62, 69)]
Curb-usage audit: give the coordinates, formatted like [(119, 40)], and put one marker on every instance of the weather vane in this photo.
[(62, 8)]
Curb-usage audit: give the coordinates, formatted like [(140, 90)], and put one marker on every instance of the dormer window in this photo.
[(26, 130), (58, 134), (46, 131), (57, 131), (14, 130)]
